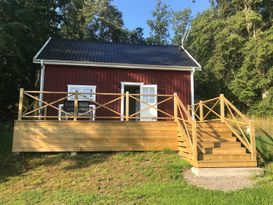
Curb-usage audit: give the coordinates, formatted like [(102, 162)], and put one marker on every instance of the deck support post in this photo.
[(127, 106), (20, 107), (201, 111), (76, 103), (175, 106), (194, 142), (252, 140), (222, 107)]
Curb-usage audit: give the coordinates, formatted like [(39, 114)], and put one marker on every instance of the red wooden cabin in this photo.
[(86, 84), (69, 65)]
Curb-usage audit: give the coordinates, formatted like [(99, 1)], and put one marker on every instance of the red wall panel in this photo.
[(108, 80)]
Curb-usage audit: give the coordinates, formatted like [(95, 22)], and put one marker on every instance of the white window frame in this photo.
[(92, 97)]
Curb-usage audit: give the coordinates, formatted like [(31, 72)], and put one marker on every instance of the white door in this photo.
[(150, 113)]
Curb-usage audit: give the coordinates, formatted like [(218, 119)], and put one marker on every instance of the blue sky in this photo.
[(137, 12)]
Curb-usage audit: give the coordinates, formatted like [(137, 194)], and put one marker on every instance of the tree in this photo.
[(159, 24), (103, 21), (72, 19), (24, 26), (232, 41), (135, 36), (181, 22)]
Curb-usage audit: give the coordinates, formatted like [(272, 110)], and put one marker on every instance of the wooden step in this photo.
[(226, 151), (243, 163), (214, 134), (213, 129), (240, 150), (216, 139), (220, 144), (231, 157), (211, 124)]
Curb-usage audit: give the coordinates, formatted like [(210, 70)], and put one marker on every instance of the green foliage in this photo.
[(181, 21), (159, 24), (72, 19), (233, 42), (103, 21), (24, 27), (135, 36)]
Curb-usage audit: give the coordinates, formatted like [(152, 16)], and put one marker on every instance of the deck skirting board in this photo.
[(84, 136)]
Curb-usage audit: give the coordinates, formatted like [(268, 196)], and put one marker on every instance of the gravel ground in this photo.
[(218, 183)]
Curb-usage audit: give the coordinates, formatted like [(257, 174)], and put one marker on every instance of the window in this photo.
[(88, 91), (149, 92)]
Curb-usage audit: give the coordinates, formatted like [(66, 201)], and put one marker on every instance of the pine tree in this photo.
[(103, 21)]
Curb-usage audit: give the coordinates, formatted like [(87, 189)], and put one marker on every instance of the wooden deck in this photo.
[(211, 133), (79, 136)]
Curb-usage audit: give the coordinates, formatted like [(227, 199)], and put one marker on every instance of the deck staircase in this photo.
[(218, 147), (217, 137)]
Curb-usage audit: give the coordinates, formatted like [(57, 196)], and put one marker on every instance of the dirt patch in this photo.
[(218, 183)]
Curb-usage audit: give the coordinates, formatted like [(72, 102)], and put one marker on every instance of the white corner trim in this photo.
[(199, 66), (35, 57), (192, 92), (42, 80)]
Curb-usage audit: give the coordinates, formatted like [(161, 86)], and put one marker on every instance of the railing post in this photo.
[(189, 110), (21, 101), (36, 106), (252, 140), (222, 107), (127, 106), (175, 107), (201, 111), (194, 142), (45, 113), (76, 103)]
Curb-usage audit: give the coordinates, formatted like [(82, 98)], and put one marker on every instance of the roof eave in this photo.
[(199, 67), (38, 53), (116, 65)]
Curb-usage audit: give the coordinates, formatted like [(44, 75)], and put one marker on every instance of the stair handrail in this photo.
[(220, 108), (187, 126), (249, 142)]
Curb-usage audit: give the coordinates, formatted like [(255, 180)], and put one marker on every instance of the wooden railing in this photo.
[(187, 131), (220, 108), (105, 105), (112, 106)]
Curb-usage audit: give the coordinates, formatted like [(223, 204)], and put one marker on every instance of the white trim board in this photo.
[(116, 65), (199, 66), (38, 53)]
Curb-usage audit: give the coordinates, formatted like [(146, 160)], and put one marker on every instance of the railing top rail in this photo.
[(71, 93), (236, 110), (206, 101), (184, 109), (96, 93)]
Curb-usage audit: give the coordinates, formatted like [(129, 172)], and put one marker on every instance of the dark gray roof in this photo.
[(119, 53)]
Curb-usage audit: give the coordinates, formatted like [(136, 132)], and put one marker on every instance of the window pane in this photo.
[(82, 89)]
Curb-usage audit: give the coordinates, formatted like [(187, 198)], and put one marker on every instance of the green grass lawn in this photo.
[(111, 178)]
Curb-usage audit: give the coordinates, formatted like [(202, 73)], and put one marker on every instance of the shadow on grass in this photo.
[(15, 165), (264, 142)]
